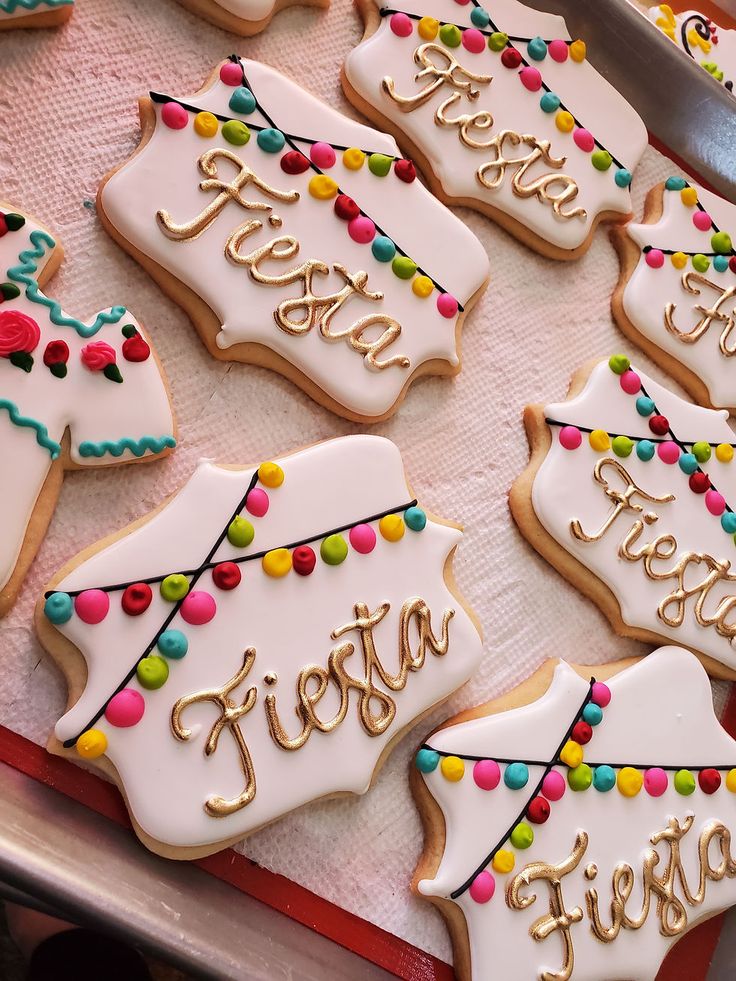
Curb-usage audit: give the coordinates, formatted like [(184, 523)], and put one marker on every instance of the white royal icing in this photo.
[(93, 408), (661, 714), (588, 96), (165, 175), (564, 489), (649, 291), (288, 621), (706, 42)]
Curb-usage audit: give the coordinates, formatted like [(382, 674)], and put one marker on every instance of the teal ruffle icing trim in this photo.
[(10, 6), (154, 444), (42, 433)]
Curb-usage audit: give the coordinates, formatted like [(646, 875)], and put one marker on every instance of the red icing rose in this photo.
[(17, 333), (97, 355)]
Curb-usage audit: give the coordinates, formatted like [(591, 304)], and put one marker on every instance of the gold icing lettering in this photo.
[(448, 72), (693, 283)]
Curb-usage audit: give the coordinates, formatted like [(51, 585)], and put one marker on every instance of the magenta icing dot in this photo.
[(668, 451), (655, 258), (473, 41), (257, 502), (487, 774), (174, 115), (482, 887), (584, 139), (531, 78), (655, 781), (363, 539), (198, 607), (361, 230), (630, 382), (557, 50), (92, 605), (600, 694), (125, 709), (715, 502), (231, 74), (701, 220), (553, 786), (322, 155), (447, 305), (570, 437), (401, 25)]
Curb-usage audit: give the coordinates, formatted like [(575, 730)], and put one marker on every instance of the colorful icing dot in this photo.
[(403, 267), (655, 781), (362, 230), (226, 575), (482, 887), (231, 73), (322, 187), (152, 672), (699, 483), (701, 220), (584, 140), (453, 768), (173, 644), (622, 446), (206, 124), (473, 41), (271, 140), (570, 437), (58, 608), (701, 263), (537, 49), (538, 810), (715, 502), (721, 242), (549, 102), (668, 452), (450, 35), (174, 587), (294, 163), (242, 100), (659, 425), (564, 121), (554, 786), (447, 305), (599, 440), (571, 754), (516, 776), (531, 78), (600, 694), (522, 836), (732, 263), (709, 780), (684, 783), (578, 51), (619, 363), (427, 760), (405, 170), (688, 463), (304, 560), (198, 607), (136, 599), (428, 28), (675, 183), (240, 532), (689, 197), (580, 778), (645, 406), (630, 382), (125, 709), (174, 116), (353, 158), (731, 781), (593, 714), (401, 25), (333, 550), (622, 177), (498, 41), (91, 744), (629, 781), (604, 779), (702, 451), (363, 539), (346, 208), (678, 260), (728, 522), (645, 450), (92, 605), (654, 258), (270, 474), (724, 452), (487, 774), (503, 861), (257, 502), (415, 518), (582, 733), (383, 248), (720, 263), (277, 563), (480, 17), (510, 58), (391, 527), (379, 164), (601, 159)]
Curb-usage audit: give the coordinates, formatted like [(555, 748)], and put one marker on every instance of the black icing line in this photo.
[(714, 227), (637, 439), (614, 766)]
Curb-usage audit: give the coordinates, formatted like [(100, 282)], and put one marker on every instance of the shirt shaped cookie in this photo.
[(711, 46), (586, 832), (635, 486), (504, 113), (34, 13), (325, 260), (245, 17), (677, 288), (99, 380), (281, 626)]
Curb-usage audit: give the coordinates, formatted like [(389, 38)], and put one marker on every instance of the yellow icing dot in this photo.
[(599, 440), (629, 781), (353, 158), (578, 50), (679, 260), (422, 286), (92, 744), (277, 563), (731, 781), (724, 452), (572, 754), (453, 768), (391, 527), (205, 124), (270, 475), (503, 861), (689, 196), (564, 121), (428, 28), (322, 187)]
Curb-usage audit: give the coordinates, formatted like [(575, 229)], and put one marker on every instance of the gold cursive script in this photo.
[(694, 284)]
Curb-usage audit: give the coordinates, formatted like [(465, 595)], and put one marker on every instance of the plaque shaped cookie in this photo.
[(34, 13), (244, 17), (72, 394), (297, 239), (677, 292), (629, 494), (503, 113), (258, 642), (711, 46), (578, 827)]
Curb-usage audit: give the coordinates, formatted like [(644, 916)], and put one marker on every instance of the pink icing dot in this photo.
[(531, 78), (630, 382), (557, 50), (553, 786), (584, 140), (447, 305), (473, 41), (668, 452), (257, 502), (655, 781), (487, 774), (174, 115), (483, 887), (600, 694), (92, 605), (570, 437), (231, 74), (361, 230), (198, 607), (125, 709), (715, 502), (322, 155), (401, 25), (655, 258), (462, 3), (701, 220), (363, 539)]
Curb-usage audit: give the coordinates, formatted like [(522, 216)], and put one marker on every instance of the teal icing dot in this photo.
[(720, 263), (383, 248), (645, 406), (675, 183), (645, 449), (688, 463), (728, 522), (516, 776), (173, 644), (604, 778), (271, 140), (426, 760), (549, 102), (415, 519), (58, 608), (537, 49), (242, 100), (622, 177), (593, 714), (480, 17)]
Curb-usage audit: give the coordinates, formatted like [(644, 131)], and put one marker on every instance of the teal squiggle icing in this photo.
[(23, 274), (10, 6), (117, 447), (42, 433)]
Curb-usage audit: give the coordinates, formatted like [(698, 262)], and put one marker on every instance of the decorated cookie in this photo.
[(629, 494), (677, 291), (711, 46), (503, 113), (297, 239), (98, 380), (579, 826), (34, 13), (245, 17), (258, 642)]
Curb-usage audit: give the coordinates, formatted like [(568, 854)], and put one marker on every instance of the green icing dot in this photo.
[(675, 183), (580, 778), (522, 836), (174, 587), (498, 41), (9, 291), (240, 533), (271, 140), (619, 363), (403, 267), (242, 100), (333, 549), (684, 782), (450, 35), (721, 242), (702, 452), (622, 445), (701, 263), (128, 330), (152, 672), (601, 159), (379, 164), (14, 222), (236, 132)]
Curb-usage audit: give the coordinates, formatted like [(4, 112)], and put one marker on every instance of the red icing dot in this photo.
[(294, 162), (405, 171), (136, 349), (659, 425), (699, 482), (582, 733), (226, 575), (3, 225), (57, 352), (709, 780), (136, 599), (346, 208), (231, 73), (538, 810), (510, 58), (303, 560), (732, 263)]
